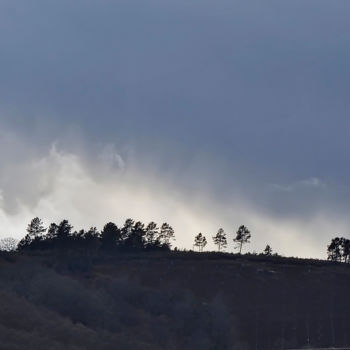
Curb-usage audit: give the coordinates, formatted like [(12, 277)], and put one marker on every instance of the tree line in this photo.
[(133, 235)]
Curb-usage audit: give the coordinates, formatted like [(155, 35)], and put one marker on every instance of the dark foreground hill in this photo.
[(171, 300)]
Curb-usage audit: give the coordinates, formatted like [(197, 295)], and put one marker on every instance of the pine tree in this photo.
[(92, 239), (242, 236), (110, 236), (63, 234), (220, 239), (200, 241), (267, 251), (334, 250), (166, 234), (152, 234), (136, 238), (35, 231), (127, 229)]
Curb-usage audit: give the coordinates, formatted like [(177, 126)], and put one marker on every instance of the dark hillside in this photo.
[(171, 300)]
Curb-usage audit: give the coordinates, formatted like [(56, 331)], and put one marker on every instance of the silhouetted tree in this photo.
[(127, 229), (242, 236), (52, 231), (110, 236), (35, 231), (267, 251), (334, 250), (91, 239), (339, 249), (166, 234), (136, 238), (200, 241), (152, 235), (220, 239), (346, 250), (63, 234)]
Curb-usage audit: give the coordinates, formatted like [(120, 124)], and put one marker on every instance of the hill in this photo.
[(171, 300)]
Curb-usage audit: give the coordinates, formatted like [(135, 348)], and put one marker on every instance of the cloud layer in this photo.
[(200, 114)]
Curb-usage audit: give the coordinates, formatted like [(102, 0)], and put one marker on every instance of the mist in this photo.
[(199, 114)]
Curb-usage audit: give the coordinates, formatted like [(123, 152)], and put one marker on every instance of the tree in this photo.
[(52, 231), (339, 250), (36, 229), (63, 234), (127, 229), (166, 234), (110, 236), (346, 250), (136, 238), (64, 229), (200, 241), (220, 239), (334, 250), (267, 251), (34, 234), (152, 234), (242, 236), (8, 244), (91, 239)]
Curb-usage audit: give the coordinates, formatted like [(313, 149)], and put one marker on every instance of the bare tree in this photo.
[(8, 244), (220, 239)]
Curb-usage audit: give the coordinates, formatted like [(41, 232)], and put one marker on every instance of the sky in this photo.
[(202, 114)]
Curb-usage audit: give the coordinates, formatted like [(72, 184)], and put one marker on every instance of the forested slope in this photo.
[(171, 300)]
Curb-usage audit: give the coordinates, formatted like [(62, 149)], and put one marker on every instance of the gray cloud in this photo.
[(242, 105)]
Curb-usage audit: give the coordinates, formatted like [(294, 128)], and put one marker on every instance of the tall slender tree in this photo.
[(200, 241), (152, 234), (166, 235), (346, 250), (127, 229), (220, 239), (242, 236), (334, 250)]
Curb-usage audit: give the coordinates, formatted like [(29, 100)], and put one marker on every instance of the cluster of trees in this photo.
[(133, 236), (339, 250), (220, 239)]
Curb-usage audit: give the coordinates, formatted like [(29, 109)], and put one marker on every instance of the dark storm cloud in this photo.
[(236, 99)]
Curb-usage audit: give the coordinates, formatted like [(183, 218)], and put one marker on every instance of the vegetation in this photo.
[(339, 250), (242, 236), (132, 236), (220, 239), (200, 241), (123, 288), (267, 251)]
